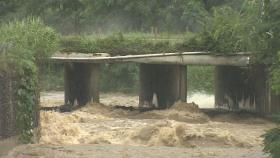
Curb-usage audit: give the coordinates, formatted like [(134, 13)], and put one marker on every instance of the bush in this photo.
[(30, 35), (228, 31), (270, 35), (272, 140), (26, 42), (114, 45)]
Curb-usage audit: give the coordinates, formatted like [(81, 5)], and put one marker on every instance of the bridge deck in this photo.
[(186, 58)]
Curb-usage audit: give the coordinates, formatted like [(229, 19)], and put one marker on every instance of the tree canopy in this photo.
[(76, 16)]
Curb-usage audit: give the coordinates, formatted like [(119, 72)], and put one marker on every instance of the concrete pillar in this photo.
[(81, 83), (240, 88), (166, 81)]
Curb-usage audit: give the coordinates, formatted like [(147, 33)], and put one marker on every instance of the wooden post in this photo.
[(81, 83), (166, 81)]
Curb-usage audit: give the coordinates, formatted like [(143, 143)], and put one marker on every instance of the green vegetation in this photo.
[(228, 31), (119, 78), (272, 140), (77, 16), (115, 45), (51, 76), (25, 43), (270, 45), (200, 79)]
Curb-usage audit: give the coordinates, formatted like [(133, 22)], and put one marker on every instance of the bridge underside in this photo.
[(238, 83)]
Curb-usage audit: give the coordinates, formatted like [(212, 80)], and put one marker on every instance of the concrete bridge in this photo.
[(239, 83)]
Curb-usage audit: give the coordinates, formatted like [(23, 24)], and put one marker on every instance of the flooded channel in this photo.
[(111, 130)]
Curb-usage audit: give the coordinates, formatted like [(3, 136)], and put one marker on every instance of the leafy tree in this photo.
[(269, 41), (270, 33), (228, 31), (78, 16)]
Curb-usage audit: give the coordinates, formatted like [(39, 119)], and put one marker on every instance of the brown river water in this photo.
[(102, 130)]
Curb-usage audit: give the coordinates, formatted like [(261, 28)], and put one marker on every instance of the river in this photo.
[(102, 130)]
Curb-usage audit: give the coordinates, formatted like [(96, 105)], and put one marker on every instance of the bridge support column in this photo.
[(240, 88), (81, 83), (167, 82)]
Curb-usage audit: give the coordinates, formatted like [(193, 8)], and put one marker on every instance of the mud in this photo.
[(7, 144), (128, 151), (180, 126), (107, 131), (97, 123)]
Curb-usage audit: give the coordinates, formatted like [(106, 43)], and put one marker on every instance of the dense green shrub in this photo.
[(26, 42), (115, 45), (270, 35), (272, 140), (119, 44), (228, 31)]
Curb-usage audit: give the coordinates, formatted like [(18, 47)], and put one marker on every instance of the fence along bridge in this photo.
[(239, 83)]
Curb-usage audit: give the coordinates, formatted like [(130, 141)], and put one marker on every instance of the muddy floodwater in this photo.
[(110, 130)]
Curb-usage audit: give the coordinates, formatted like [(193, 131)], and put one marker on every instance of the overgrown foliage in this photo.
[(230, 30), (26, 42), (270, 33), (122, 44), (272, 140), (115, 45), (271, 39)]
